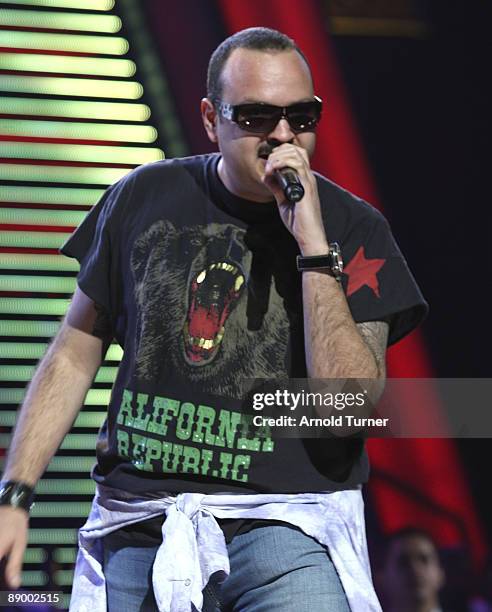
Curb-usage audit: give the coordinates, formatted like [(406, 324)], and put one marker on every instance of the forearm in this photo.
[(52, 402), (334, 346)]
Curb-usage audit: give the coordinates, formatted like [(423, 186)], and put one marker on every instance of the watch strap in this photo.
[(331, 262), (16, 494)]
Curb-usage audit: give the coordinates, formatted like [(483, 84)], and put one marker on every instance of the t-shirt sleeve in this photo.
[(377, 280), (95, 246)]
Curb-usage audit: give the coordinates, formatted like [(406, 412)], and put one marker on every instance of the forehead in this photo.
[(277, 77), (410, 546)]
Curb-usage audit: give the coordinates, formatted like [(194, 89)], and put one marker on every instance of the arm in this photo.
[(336, 347), (52, 402), (329, 329)]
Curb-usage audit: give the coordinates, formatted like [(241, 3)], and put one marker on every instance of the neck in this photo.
[(239, 190)]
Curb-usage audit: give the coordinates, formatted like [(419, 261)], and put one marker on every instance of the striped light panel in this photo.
[(72, 121)]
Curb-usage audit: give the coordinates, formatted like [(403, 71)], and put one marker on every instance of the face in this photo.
[(280, 78), (413, 573)]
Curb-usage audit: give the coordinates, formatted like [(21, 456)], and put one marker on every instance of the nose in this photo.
[(282, 132)]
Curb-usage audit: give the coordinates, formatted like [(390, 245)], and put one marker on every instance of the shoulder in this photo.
[(169, 168), (345, 210), (176, 177)]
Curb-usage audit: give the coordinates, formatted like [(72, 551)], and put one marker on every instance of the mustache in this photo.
[(265, 150)]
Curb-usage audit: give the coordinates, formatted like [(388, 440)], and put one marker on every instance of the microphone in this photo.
[(290, 183)]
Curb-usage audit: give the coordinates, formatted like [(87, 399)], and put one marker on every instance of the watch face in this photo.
[(336, 259)]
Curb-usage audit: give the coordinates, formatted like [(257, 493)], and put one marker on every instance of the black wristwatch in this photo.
[(331, 262), (16, 494)]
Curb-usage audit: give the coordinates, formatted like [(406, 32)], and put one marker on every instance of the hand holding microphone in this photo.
[(290, 183), (287, 178), (287, 165)]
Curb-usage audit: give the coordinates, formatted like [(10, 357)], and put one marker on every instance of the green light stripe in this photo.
[(31, 216), (34, 578), (61, 174), (64, 603), (24, 350), (35, 240), (41, 284), (74, 441), (7, 418), (71, 464), (114, 111), (66, 464), (49, 195), (42, 329), (90, 419), (108, 24), (84, 419), (95, 397), (61, 86), (92, 5), (35, 555), (52, 536), (70, 442), (26, 261), (84, 131), (88, 153), (34, 306), (65, 555), (104, 45), (65, 486), (105, 374), (63, 577), (35, 350), (100, 66)]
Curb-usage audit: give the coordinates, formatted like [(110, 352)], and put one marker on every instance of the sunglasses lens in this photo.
[(257, 117), (303, 117), (262, 118)]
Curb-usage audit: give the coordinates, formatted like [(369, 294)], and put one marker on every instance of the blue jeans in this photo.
[(273, 568)]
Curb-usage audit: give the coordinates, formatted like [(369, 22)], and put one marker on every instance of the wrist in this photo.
[(330, 262), (319, 247), (16, 494)]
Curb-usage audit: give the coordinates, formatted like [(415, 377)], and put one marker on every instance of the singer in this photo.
[(210, 270)]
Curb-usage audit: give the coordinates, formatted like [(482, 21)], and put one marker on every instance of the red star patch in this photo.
[(362, 271)]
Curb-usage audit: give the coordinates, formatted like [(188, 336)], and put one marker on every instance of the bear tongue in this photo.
[(204, 322)]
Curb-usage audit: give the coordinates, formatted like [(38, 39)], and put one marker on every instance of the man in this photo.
[(191, 265), (413, 574)]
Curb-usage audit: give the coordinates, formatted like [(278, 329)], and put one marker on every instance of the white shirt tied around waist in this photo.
[(193, 545)]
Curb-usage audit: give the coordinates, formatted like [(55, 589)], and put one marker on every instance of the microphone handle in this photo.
[(290, 183)]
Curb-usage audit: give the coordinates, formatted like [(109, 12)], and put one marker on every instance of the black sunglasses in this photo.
[(261, 118)]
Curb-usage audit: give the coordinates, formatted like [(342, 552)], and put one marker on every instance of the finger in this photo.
[(288, 159), (14, 565), (284, 162), (290, 149)]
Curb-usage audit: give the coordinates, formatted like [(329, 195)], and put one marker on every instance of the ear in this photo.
[(209, 118)]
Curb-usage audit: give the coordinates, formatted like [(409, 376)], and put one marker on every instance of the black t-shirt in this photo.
[(203, 293)]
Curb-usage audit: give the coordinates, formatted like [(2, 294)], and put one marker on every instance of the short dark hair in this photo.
[(412, 532), (256, 39)]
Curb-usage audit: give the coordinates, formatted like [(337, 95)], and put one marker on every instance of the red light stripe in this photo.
[(14, 227), (74, 141)]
